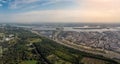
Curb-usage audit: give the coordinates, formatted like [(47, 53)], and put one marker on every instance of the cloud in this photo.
[(100, 10), (19, 4), (85, 11), (44, 16), (3, 1), (67, 16), (1, 5), (101, 4), (4, 18)]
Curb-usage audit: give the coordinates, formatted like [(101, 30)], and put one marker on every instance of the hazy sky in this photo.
[(29, 11)]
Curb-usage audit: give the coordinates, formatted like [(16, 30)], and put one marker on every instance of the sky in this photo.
[(37, 11)]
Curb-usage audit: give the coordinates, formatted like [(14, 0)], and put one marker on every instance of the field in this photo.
[(29, 62)]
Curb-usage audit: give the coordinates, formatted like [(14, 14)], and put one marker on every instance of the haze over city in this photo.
[(83, 11), (59, 31)]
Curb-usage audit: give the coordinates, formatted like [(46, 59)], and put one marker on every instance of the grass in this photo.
[(33, 40), (87, 60), (56, 60), (29, 62), (65, 56)]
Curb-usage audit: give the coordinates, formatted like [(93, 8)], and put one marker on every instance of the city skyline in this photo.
[(83, 11)]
